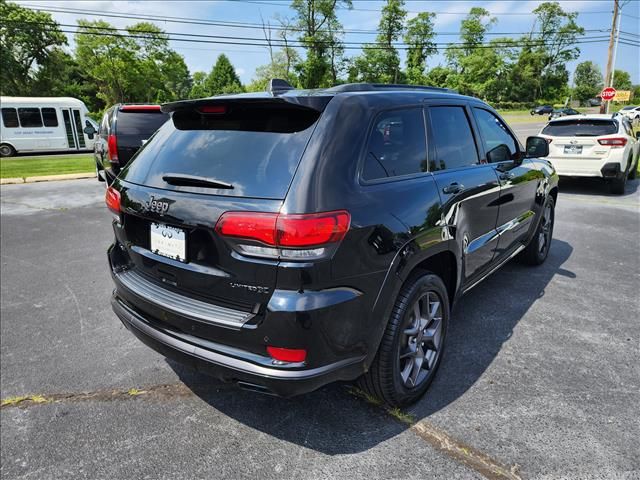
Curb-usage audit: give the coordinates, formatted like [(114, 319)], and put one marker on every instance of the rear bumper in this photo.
[(231, 364), (608, 167)]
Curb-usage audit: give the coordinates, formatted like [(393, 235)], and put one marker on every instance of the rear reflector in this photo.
[(219, 109), (613, 142), (282, 230), (112, 199), (140, 108), (112, 148), (287, 354)]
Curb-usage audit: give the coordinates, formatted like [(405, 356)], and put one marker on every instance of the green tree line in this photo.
[(136, 64)]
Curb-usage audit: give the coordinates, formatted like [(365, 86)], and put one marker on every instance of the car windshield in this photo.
[(580, 128)]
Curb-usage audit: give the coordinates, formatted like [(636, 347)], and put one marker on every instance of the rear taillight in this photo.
[(288, 355), (112, 148), (112, 199), (290, 236), (617, 142)]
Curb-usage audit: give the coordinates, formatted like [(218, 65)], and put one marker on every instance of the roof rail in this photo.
[(368, 87), (277, 86)]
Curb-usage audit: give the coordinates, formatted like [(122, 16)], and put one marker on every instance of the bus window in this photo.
[(30, 117), (10, 118), (50, 117)]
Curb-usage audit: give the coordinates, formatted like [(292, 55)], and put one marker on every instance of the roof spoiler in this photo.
[(317, 103)]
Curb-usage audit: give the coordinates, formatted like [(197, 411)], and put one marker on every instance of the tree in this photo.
[(587, 81), (419, 39), (279, 67), (472, 32), (320, 34), (622, 80), (27, 38), (223, 78), (199, 85), (380, 62)]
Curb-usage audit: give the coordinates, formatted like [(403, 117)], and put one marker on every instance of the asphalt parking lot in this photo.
[(541, 378)]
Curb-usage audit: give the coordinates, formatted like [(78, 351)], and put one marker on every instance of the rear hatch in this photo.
[(134, 125), (212, 158), (579, 138)]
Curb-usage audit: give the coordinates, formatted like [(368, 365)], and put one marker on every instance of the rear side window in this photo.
[(499, 145), (581, 128), (49, 117), (254, 148), (30, 117), (453, 138), (397, 145), (10, 118), (140, 123)]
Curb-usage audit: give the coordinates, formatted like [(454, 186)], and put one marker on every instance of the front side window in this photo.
[(10, 118), (49, 117), (499, 145), (453, 138), (30, 117), (397, 145)]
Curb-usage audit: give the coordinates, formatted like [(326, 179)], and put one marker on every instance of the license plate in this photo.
[(573, 149), (169, 242)]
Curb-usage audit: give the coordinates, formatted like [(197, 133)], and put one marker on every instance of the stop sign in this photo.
[(608, 93)]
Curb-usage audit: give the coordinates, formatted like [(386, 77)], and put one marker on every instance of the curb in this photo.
[(47, 178)]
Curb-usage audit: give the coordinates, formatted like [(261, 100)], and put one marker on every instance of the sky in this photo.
[(513, 17)]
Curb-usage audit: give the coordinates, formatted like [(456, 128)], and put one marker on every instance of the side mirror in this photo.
[(537, 147)]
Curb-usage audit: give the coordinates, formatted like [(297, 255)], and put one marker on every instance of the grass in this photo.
[(22, 167)]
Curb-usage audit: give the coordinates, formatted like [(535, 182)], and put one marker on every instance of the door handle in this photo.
[(454, 187)]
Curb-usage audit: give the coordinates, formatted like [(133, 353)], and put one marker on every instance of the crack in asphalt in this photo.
[(440, 440)]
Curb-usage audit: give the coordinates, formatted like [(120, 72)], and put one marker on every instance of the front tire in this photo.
[(538, 249), (413, 343), (7, 150)]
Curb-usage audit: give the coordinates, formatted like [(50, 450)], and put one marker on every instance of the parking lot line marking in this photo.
[(469, 456)]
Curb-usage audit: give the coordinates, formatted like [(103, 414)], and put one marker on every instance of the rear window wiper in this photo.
[(180, 180)]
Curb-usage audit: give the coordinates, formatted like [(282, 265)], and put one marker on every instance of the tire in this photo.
[(618, 184), (400, 382), (538, 249), (7, 150)]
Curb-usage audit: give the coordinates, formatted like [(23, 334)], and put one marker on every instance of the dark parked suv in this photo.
[(293, 238), (123, 130)]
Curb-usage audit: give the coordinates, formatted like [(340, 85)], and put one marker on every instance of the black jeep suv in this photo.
[(289, 239), (124, 128)]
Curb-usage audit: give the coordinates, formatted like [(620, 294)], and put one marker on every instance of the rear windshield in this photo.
[(255, 149), (140, 123), (581, 128)]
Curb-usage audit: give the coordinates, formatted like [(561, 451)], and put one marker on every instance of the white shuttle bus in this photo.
[(44, 124)]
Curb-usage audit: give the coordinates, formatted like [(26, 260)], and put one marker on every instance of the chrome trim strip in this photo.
[(482, 240), (496, 267), (181, 305), (135, 321)]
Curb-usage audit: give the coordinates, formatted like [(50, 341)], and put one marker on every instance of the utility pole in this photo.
[(607, 78)]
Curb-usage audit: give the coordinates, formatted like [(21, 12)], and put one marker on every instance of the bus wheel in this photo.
[(7, 150)]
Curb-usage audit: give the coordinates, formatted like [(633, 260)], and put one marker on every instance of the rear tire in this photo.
[(413, 343), (7, 150), (618, 184), (538, 249), (633, 171)]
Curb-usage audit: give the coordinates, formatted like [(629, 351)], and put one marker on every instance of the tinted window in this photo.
[(30, 117), (397, 145), (49, 117), (140, 123), (452, 137), (499, 145), (10, 117), (255, 149), (581, 128)]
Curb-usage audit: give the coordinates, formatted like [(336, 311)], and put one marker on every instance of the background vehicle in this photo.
[(632, 112), (596, 145), (594, 102), (123, 130), (563, 112), (43, 124), (287, 240), (542, 110)]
